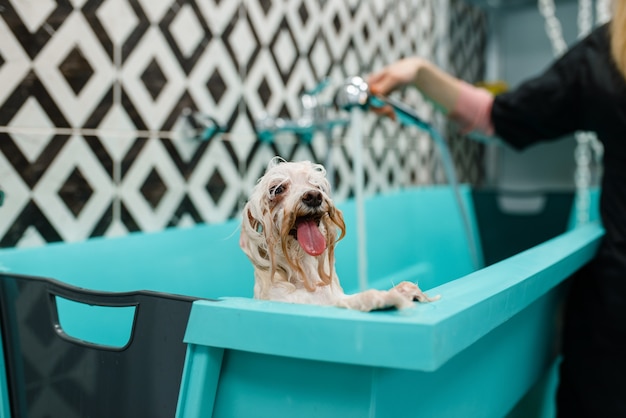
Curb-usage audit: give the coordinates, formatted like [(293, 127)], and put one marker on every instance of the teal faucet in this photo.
[(201, 127), (314, 117)]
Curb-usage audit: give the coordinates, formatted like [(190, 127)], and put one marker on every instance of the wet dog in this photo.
[(289, 230)]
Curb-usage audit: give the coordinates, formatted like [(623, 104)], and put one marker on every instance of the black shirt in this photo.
[(583, 90)]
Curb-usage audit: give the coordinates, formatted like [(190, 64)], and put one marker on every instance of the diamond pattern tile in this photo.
[(216, 86), (319, 56), (118, 74), (76, 70), (305, 17), (75, 35), (75, 192), (215, 196), (74, 203), (216, 186), (153, 188), (115, 118), (113, 21), (43, 110), (264, 91), (284, 51), (242, 42), (32, 114), (153, 79), (186, 32), (264, 14), (154, 103)]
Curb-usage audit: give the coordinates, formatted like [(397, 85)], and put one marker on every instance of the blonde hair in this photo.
[(618, 35)]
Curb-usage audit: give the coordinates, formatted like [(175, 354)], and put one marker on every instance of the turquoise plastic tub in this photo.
[(476, 352)]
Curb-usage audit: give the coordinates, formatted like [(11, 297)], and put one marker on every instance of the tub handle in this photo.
[(135, 311), (101, 325), (154, 353), (119, 309)]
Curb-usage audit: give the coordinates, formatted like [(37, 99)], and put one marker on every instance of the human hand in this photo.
[(392, 77), (395, 75)]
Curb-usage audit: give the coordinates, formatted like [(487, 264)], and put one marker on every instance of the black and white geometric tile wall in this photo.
[(92, 91)]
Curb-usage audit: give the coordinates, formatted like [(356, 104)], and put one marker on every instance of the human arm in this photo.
[(467, 105), (434, 83)]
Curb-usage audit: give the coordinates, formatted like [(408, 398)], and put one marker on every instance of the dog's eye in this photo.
[(276, 190)]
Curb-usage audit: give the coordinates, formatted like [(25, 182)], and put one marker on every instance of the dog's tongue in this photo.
[(310, 238)]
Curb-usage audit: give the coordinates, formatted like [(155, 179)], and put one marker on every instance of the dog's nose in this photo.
[(312, 198)]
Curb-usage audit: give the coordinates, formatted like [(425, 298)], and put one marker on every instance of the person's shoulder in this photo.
[(594, 46), (599, 37)]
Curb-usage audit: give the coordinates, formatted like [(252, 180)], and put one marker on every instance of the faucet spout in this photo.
[(199, 126), (314, 117)]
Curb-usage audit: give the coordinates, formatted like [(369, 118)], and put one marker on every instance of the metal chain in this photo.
[(553, 27), (582, 176), (586, 142), (585, 17), (603, 11)]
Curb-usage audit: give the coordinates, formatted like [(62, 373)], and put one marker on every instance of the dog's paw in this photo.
[(374, 300), (413, 292), (398, 297)]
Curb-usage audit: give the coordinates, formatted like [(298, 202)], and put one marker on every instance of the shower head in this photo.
[(354, 92)]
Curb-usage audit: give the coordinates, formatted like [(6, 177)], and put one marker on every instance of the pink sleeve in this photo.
[(472, 110)]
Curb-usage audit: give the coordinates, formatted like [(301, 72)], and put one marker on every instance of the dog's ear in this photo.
[(336, 216), (252, 240), (251, 221), (248, 224)]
